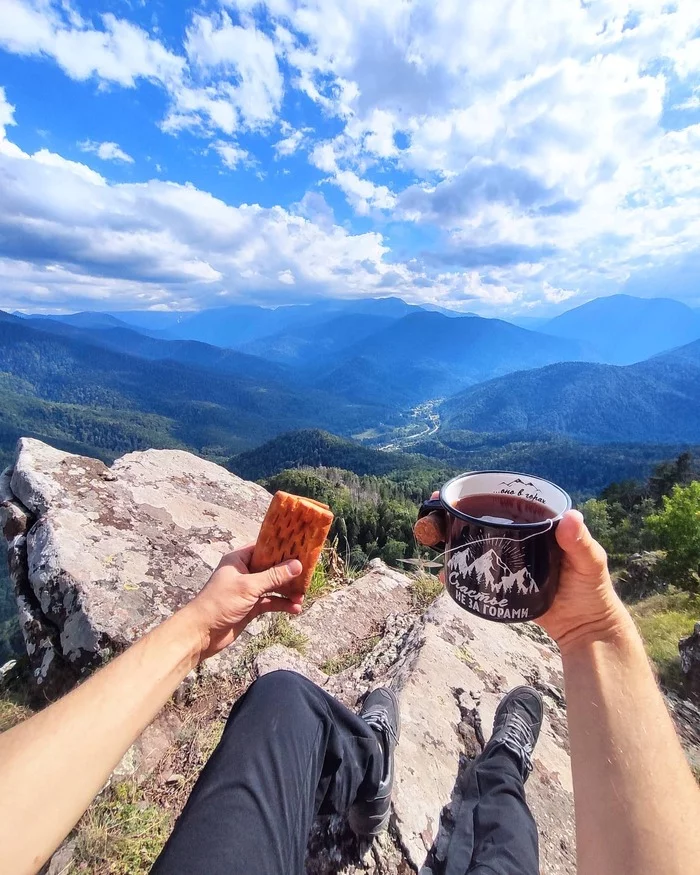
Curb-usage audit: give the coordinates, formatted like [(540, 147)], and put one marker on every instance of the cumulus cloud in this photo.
[(291, 141), (118, 52), (106, 151), (230, 153), (523, 151), (67, 234), (7, 113)]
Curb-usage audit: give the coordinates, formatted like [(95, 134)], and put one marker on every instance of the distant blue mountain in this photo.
[(238, 325), (311, 344), (625, 330), (428, 355), (532, 323), (655, 401)]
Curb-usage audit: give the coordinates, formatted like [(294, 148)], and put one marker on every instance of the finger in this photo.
[(435, 495), (238, 559), (276, 579), (584, 553), (430, 530), (277, 605)]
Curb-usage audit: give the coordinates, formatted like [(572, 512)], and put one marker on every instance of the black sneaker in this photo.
[(380, 711), (517, 725)]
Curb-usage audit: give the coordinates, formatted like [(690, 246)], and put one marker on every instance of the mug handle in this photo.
[(431, 506)]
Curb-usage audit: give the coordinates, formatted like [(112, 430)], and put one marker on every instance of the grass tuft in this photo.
[(663, 619), (15, 696), (351, 658), (120, 834), (12, 712), (424, 590), (320, 585), (279, 631)]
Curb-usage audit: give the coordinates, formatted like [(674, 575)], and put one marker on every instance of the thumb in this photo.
[(276, 579), (585, 554)]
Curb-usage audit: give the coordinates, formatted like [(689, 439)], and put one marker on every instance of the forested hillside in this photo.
[(429, 355), (582, 469), (315, 448), (68, 390), (654, 401)]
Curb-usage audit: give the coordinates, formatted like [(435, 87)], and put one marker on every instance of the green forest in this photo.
[(374, 516)]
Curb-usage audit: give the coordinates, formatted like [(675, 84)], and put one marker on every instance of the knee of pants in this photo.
[(279, 690)]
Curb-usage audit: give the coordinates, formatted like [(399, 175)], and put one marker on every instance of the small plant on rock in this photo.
[(424, 590), (120, 834)]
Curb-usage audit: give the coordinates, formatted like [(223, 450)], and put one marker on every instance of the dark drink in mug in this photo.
[(501, 554)]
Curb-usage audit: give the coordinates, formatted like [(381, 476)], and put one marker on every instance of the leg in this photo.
[(289, 751), (495, 833)]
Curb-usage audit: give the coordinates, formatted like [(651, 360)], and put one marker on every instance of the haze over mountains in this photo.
[(116, 381), (655, 400), (623, 330)]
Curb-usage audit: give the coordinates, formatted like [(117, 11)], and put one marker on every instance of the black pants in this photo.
[(291, 751)]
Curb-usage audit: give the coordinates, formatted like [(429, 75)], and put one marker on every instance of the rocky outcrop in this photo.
[(99, 555), (642, 575), (689, 649)]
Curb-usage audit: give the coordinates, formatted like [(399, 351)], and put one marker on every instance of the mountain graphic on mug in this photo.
[(490, 571)]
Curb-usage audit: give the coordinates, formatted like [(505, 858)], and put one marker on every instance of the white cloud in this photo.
[(119, 52), (72, 238), (106, 151), (528, 142), (291, 141), (239, 64), (231, 154), (7, 113)]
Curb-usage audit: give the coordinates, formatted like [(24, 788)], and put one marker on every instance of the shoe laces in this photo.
[(378, 720), (517, 737)]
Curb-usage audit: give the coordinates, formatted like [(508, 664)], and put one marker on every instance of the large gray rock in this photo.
[(100, 555)]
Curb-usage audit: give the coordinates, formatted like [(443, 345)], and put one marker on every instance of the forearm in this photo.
[(637, 804), (53, 765)]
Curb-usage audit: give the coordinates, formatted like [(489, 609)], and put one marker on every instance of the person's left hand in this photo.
[(233, 597)]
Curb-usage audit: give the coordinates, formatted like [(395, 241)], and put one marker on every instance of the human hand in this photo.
[(586, 607), (233, 597)]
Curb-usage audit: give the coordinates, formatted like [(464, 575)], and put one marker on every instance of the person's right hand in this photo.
[(586, 607), (234, 596)]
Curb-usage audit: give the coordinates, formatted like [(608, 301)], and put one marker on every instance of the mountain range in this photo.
[(378, 351), (622, 329), (77, 385), (383, 350), (117, 381), (654, 400)]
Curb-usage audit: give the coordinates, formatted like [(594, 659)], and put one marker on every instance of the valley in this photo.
[(424, 421)]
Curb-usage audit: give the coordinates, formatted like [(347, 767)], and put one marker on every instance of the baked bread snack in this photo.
[(293, 528)]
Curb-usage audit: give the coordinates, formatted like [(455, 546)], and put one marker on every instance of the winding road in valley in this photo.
[(426, 415)]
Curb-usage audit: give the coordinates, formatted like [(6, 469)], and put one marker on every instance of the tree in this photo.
[(595, 512), (393, 551), (669, 474), (677, 531)]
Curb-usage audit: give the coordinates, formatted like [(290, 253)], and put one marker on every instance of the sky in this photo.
[(503, 157)]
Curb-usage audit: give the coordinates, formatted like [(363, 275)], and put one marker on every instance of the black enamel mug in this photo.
[(502, 558)]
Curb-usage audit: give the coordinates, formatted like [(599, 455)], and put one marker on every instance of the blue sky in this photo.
[(510, 157)]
